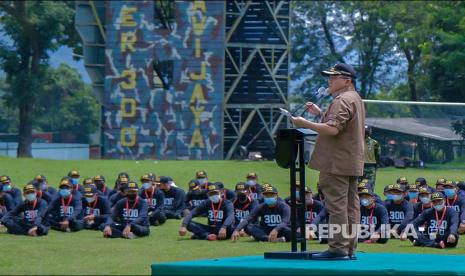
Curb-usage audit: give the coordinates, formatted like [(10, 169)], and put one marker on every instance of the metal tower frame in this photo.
[(256, 73)]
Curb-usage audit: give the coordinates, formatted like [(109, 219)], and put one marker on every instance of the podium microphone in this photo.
[(320, 94)]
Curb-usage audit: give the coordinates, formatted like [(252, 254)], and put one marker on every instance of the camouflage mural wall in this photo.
[(143, 120)]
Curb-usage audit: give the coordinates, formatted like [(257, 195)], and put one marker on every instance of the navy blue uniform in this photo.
[(376, 217), (243, 209), (220, 215), (458, 204), (311, 211), (101, 210), (174, 203), (195, 198), (62, 209), (45, 196), (256, 191), (400, 214), (156, 205), (228, 194), (126, 213), (78, 189), (271, 218), (443, 224), (26, 216), (7, 203), (105, 192), (15, 193), (115, 198), (418, 208)]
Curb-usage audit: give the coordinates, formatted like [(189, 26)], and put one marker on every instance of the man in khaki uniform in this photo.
[(338, 155)]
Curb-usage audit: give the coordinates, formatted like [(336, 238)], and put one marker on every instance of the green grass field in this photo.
[(87, 252)]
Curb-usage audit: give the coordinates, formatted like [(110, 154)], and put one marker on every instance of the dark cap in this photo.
[(40, 177), (165, 179), (5, 179), (450, 183), (395, 187), (194, 184), (132, 187), (437, 195), (441, 181), (88, 181), (269, 190), (420, 181), (402, 180), (220, 185), (99, 178), (65, 183), (340, 69), (364, 192), (423, 190), (252, 175), (121, 174), (73, 173), (29, 188), (201, 174), (89, 191), (213, 188), (241, 187), (145, 177)]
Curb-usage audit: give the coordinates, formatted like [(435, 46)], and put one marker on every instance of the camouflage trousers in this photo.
[(369, 172)]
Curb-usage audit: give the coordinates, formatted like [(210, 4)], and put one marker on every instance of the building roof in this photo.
[(436, 129)]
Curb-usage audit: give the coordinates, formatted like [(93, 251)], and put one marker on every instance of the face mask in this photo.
[(251, 182), (425, 200), (6, 188), (202, 180), (449, 192), (439, 207), (365, 202), (413, 195), (146, 185), (215, 198), (64, 192), (31, 197), (389, 197), (270, 200), (396, 197), (74, 181), (242, 197), (90, 199), (43, 186)]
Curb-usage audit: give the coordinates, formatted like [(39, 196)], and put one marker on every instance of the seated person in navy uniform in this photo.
[(95, 208), (7, 203), (461, 187), (122, 184), (102, 188), (313, 208), (374, 216), (155, 199), (251, 180), (243, 204), (364, 185), (440, 184), (43, 184), (273, 215), (26, 218), (421, 182), (225, 193), (195, 196), (41, 194), (455, 201), (174, 198), (74, 177), (400, 211), (441, 225), (412, 193), (64, 210), (220, 216), (129, 218), (7, 187), (403, 182), (116, 187), (423, 203), (202, 178)]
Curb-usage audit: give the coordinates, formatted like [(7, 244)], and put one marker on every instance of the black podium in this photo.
[(290, 154)]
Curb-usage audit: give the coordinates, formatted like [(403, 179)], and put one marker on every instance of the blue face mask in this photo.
[(90, 199), (215, 198), (439, 207), (64, 192), (365, 202), (396, 197), (449, 192), (202, 181), (146, 185), (74, 181), (251, 182), (6, 188), (412, 195), (389, 197), (270, 200), (31, 197)]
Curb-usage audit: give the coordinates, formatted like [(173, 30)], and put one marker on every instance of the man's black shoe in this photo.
[(329, 256)]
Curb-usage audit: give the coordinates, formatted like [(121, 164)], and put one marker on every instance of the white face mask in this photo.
[(425, 199), (31, 197), (202, 180), (251, 182), (365, 202), (215, 198), (439, 207), (90, 199)]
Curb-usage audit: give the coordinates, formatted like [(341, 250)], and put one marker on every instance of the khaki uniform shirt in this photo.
[(342, 154)]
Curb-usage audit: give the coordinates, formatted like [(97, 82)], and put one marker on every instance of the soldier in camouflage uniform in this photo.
[(372, 152)]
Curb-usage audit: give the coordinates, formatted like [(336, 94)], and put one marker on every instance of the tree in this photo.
[(35, 28), (459, 128)]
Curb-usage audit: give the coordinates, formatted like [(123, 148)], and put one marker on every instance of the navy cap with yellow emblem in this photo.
[(201, 174), (88, 181), (29, 188), (74, 173), (413, 187), (402, 180), (132, 188), (269, 190), (5, 179), (194, 185), (437, 196), (251, 175), (99, 178), (40, 178), (145, 177), (365, 192), (395, 187), (241, 187), (213, 188), (89, 191), (441, 181), (423, 190), (65, 183), (450, 184)]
